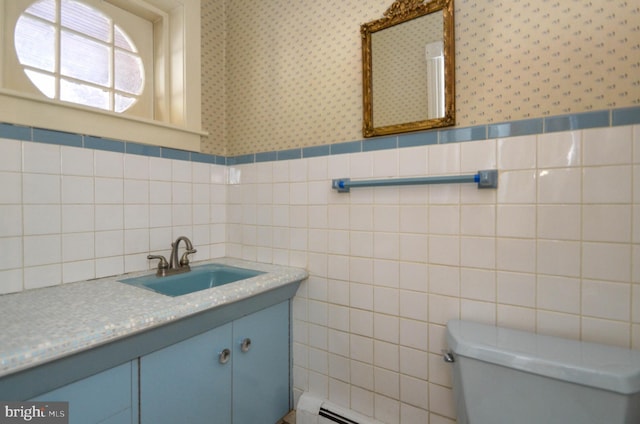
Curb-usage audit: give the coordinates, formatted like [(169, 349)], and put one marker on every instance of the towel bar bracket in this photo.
[(488, 178)]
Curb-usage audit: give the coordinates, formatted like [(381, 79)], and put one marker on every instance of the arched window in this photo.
[(73, 52), (123, 69)]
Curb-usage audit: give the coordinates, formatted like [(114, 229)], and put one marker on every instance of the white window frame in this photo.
[(177, 110)]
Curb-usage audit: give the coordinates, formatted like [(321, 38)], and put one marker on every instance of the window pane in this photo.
[(84, 59), (34, 41), (122, 40), (84, 94), (123, 102), (86, 20), (128, 72), (44, 82), (45, 9)]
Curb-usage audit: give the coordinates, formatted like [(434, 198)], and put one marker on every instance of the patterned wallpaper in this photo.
[(213, 76), (293, 69)]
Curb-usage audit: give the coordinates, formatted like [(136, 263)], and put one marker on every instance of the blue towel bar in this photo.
[(485, 179)]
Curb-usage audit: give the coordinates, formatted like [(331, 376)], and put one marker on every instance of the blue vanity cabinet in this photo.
[(109, 397), (190, 382), (261, 370)]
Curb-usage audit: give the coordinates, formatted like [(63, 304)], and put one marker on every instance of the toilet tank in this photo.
[(508, 376)]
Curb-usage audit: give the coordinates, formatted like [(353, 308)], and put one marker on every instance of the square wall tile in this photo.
[(562, 222), (40, 158), (10, 281), (11, 222), (559, 294), (607, 223), (559, 186), (11, 248), (78, 218), (41, 219), (412, 161), (560, 149), (10, 155), (516, 221), (77, 190), (444, 159), (76, 161), (109, 190), (606, 261), (42, 250), (11, 183), (555, 257), (78, 247), (444, 280), (478, 284), (109, 243), (478, 252), (108, 164), (516, 255), (517, 187), (607, 184), (603, 299), (607, 146), (42, 276), (516, 289), (477, 155), (40, 188), (478, 220), (517, 152), (137, 167), (606, 331)]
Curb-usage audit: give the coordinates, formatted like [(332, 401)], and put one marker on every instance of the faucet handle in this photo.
[(163, 264), (184, 260)]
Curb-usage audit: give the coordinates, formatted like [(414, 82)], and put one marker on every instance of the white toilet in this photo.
[(504, 376)]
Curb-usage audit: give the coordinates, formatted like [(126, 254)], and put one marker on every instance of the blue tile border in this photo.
[(169, 153), (456, 135), (316, 151), (289, 154), (516, 128), (15, 132), (550, 124), (625, 116), (383, 143), (578, 121), (56, 137), (266, 157), (348, 147), (418, 139), (106, 144), (142, 149)]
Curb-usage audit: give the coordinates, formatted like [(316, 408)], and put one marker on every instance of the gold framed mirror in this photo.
[(408, 68)]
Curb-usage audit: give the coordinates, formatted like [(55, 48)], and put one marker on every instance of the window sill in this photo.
[(18, 108)]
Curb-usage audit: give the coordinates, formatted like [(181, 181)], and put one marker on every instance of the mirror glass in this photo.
[(408, 68)]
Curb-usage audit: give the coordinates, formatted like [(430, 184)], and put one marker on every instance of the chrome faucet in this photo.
[(175, 266)]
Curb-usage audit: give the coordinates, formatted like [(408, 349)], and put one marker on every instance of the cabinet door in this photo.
[(261, 374), (110, 396), (186, 383)]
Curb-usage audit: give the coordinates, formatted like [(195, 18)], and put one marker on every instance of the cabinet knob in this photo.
[(245, 344), (224, 356)]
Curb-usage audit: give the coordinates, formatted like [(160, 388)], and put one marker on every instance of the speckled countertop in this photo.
[(41, 325)]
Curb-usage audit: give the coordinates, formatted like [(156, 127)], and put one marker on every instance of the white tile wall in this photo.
[(71, 214), (552, 250)]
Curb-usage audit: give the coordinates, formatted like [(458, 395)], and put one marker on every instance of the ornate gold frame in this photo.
[(402, 11)]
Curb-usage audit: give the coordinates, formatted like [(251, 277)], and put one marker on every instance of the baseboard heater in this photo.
[(312, 409)]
